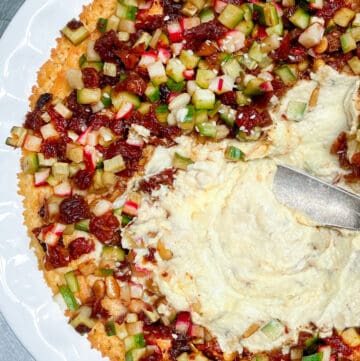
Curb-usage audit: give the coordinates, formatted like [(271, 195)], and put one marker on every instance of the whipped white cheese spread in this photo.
[(239, 256)]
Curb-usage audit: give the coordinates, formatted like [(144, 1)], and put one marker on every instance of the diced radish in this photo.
[(32, 143), (41, 177), (101, 207), (63, 189), (189, 74), (71, 134), (136, 290), (188, 23), (326, 351), (53, 209), (90, 158), (52, 235), (266, 86), (312, 35), (131, 208), (134, 328), (196, 331), (183, 322), (141, 271), (316, 4), (171, 97), (164, 55), (92, 138), (51, 238), (125, 110), (176, 48), (157, 72), (221, 84), (174, 31), (82, 139), (135, 139), (219, 6), (144, 5), (64, 111), (233, 41), (147, 58), (278, 8), (58, 229), (48, 131)]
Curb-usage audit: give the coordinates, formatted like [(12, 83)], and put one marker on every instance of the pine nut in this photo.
[(112, 287), (322, 46), (99, 289)]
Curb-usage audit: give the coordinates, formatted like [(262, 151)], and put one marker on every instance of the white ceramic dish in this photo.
[(25, 300)]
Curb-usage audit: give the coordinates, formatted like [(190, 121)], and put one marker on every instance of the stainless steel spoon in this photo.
[(326, 204)]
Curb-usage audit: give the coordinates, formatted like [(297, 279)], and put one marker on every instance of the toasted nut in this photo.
[(99, 289), (318, 63), (84, 289), (322, 46), (112, 287), (314, 97), (164, 253), (252, 329)]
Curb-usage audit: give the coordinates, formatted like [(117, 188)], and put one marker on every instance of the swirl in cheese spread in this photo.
[(239, 256)]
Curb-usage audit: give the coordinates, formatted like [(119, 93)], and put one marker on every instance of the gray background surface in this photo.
[(10, 348)]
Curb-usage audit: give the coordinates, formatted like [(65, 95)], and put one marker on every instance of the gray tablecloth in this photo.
[(10, 348)]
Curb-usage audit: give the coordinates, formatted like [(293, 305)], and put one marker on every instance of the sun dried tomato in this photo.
[(212, 350), (120, 127), (128, 151), (82, 329), (122, 271), (73, 209), (211, 30), (78, 110), (128, 58), (206, 49), (155, 356), (60, 122), (166, 177), (249, 117), (90, 77), (105, 228), (339, 148), (108, 80), (329, 8), (33, 121), (148, 22), (97, 311), (106, 45), (96, 121), (43, 100), (78, 125), (283, 52), (54, 148), (80, 246), (83, 179), (57, 256), (228, 98), (156, 331), (180, 344), (172, 9), (133, 83), (338, 346), (74, 24)]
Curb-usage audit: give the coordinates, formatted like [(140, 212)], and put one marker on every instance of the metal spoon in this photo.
[(326, 204)]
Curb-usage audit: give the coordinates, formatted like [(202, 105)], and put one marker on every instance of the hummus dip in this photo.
[(239, 256)]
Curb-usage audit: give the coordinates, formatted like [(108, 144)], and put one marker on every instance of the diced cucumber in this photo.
[(233, 153), (255, 52), (145, 39), (273, 329), (186, 117), (276, 29), (113, 253), (354, 64), (286, 74), (45, 162), (69, 298), (88, 96), (245, 26), (189, 9), (261, 358), (83, 318), (204, 77), (101, 25), (175, 86), (136, 354), (126, 12), (115, 164), (60, 170), (295, 110), (112, 23), (83, 225), (106, 99), (76, 36), (72, 281), (144, 108), (189, 59), (343, 17), (231, 68), (253, 87), (300, 18), (242, 99), (248, 11), (125, 97), (152, 92), (268, 15), (201, 116), (203, 99), (110, 328), (207, 129), (227, 114), (198, 3), (162, 112), (175, 69), (206, 15), (30, 163), (181, 162), (97, 65), (17, 138), (231, 16), (314, 357), (348, 43), (134, 342)]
